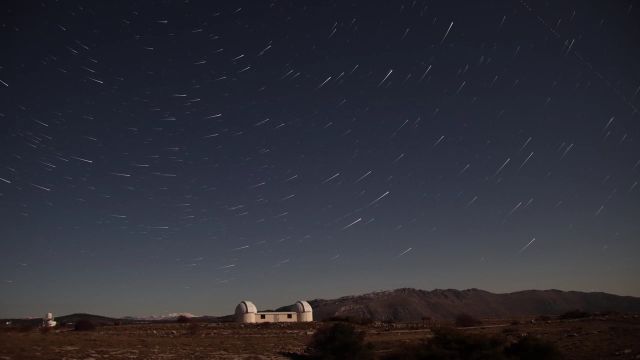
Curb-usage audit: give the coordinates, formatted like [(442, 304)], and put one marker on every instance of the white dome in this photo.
[(246, 307), (303, 306)]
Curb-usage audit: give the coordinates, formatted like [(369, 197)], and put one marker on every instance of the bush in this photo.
[(466, 320), (183, 319), (350, 319), (84, 325), (193, 329), (544, 318), (26, 328), (531, 348), (449, 344), (574, 314), (339, 341)]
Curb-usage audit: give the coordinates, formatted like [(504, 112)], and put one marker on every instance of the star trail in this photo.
[(184, 155)]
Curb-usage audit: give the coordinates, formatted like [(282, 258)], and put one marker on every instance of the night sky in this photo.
[(172, 156)]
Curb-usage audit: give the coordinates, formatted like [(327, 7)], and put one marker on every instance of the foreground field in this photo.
[(593, 338)]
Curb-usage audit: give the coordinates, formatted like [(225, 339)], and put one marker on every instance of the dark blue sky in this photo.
[(183, 156)]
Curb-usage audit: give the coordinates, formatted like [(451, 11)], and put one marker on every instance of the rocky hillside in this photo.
[(414, 305)]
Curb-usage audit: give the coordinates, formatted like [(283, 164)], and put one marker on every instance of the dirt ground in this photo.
[(593, 338)]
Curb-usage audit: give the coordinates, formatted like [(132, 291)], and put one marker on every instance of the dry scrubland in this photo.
[(614, 337)]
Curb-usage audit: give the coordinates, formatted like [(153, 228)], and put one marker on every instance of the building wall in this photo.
[(276, 317), (248, 318), (305, 316)]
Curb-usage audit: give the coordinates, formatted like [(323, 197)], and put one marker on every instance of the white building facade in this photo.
[(48, 321), (246, 312)]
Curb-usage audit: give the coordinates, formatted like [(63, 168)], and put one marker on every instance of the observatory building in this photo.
[(246, 312), (48, 321)]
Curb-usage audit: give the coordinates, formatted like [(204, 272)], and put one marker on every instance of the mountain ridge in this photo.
[(409, 304)]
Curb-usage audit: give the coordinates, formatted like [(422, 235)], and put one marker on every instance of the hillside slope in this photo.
[(414, 305)]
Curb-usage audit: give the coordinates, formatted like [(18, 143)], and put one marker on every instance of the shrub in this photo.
[(451, 344), (531, 348), (466, 320), (339, 341), (193, 329), (183, 319), (26, 328), (448, 344), (363, 321), (84, 325), (574, 314), (350, 319)]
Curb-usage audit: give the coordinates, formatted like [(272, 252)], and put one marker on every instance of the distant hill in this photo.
[(69, 319), (104, 320), (167, 317), (414, 305), (96, 319)]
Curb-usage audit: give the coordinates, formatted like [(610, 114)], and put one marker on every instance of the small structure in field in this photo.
[(246, 312), (48, 322)]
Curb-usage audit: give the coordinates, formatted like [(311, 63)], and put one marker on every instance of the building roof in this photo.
[(303, 306), (246, 307)]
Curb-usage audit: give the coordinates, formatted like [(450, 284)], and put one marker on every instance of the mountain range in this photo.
[(410, 304)]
